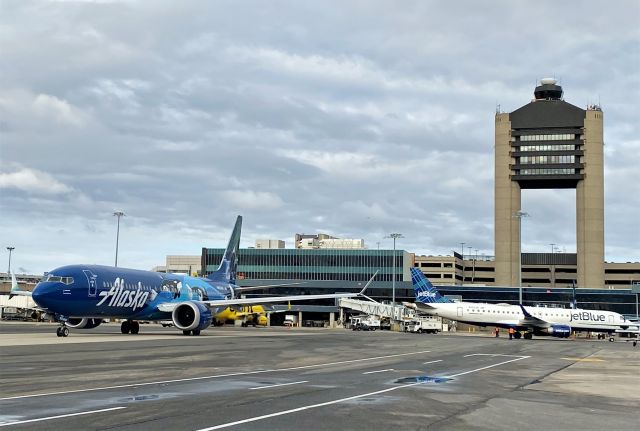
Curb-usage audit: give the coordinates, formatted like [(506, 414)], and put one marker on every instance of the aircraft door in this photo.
[(459, 311), (92, 282)]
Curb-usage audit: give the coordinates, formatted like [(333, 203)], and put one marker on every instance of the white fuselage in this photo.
[(484, 314)]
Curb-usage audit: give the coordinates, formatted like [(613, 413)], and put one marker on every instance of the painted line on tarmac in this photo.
[(299, 409), (60, 416), (432, 362), (488, 366), (313, 406), (278, 385), (378, 371), (494, 354), (217, 376)]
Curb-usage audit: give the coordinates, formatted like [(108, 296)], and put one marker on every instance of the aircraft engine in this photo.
[(190, 316), (560, 331), (84, 323)]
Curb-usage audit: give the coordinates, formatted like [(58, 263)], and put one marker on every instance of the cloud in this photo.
[(356, 118), (253, 200), (32, 181), (60, 110)]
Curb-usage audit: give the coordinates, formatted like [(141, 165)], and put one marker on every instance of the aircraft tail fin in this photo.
[(228, 265), (424, 290)]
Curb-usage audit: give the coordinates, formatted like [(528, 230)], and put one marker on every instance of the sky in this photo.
[(352, 118)]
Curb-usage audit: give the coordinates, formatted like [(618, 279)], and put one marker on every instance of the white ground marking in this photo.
[(378, 371), (59, 416), (313, 406), (432, 362), (494, 354), (488, 366), (281, 384), (299, 409), (245, 373)]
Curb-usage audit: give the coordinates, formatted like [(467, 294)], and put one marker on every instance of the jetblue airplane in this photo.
[(555, 322), (82, 296)]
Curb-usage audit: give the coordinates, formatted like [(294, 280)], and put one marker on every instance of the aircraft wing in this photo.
[(15, 289), (530, 320), (169, 306), (266, 286)]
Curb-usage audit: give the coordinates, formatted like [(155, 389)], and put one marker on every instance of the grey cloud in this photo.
[(357, 118)]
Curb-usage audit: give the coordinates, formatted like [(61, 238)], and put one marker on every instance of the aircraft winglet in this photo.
[(368, 282), (15, 289)]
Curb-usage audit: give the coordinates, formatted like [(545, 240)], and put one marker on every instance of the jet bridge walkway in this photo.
[(379, 309)]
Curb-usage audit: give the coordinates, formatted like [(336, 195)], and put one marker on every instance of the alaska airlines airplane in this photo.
[(555, 322), (82, 296)]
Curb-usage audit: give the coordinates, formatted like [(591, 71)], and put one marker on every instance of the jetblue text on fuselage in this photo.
[(587, 316)]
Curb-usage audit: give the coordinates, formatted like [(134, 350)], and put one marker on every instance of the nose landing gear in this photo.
[(62, 331)]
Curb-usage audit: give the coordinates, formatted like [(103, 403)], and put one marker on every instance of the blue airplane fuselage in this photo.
[(109, 292)]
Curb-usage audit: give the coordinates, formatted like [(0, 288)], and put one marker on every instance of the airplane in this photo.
[(527, 321), (82, 296)]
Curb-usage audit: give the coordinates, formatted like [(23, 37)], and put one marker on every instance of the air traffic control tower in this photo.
[(550, 144)]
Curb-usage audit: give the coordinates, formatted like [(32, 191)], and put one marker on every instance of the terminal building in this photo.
[(303, 271)]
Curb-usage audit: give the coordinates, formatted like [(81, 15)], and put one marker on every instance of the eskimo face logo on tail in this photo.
[(121, 297)]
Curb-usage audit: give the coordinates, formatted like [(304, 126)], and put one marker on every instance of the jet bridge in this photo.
[(379, 309)]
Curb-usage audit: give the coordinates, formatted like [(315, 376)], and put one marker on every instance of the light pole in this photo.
[(118, 214), (462, 248), (10, 250), (553, 275), (394, 236), (519, 215)]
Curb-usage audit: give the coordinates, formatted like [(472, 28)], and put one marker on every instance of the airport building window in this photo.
[(549, 171), (543, 160), (556, 147), (551, 137)]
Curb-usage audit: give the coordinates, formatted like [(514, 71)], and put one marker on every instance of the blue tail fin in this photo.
[(228, 265), (424, 290)]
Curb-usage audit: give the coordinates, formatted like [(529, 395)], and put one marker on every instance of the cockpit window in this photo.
[(58, 279)]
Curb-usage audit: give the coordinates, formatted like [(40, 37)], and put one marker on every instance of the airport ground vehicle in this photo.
[(290, 320), (365, 323), (424, 325)]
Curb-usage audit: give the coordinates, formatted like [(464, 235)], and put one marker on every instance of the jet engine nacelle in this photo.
[(83, 323), (560, 331), (191, 315)]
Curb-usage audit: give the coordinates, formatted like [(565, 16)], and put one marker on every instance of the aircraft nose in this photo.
[(41, 293)]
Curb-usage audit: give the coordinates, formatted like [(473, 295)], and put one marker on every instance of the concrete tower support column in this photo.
[(507, 203), (590, 205)]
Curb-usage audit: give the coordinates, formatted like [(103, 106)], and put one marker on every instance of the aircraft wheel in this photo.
[(125, 327), (59, 331), (135, 327), (64, 331), (186, 332), (196, 332), (611, 339), (528, 336), (517, 335)]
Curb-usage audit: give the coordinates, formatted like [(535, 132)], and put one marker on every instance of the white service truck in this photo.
[(365, 323), (420, 325)]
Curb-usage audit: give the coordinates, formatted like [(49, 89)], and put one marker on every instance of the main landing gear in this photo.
[(129, 326), (194, 332), (62, 331)]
